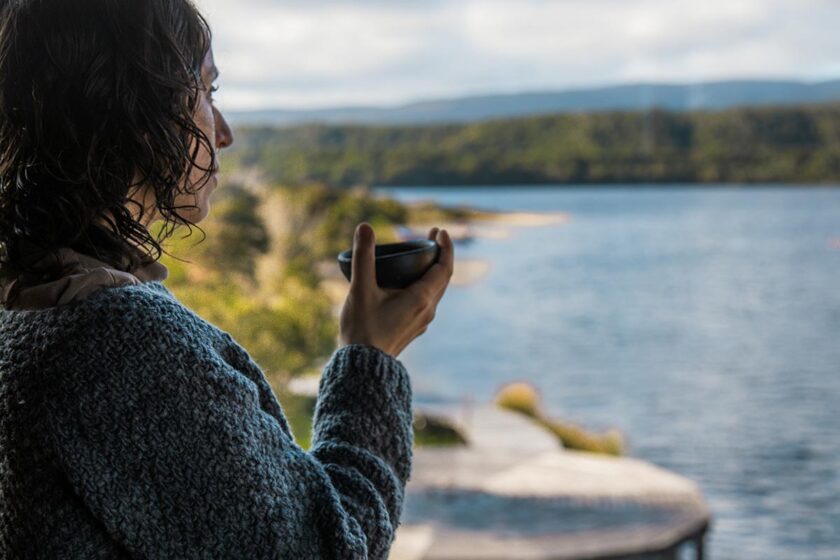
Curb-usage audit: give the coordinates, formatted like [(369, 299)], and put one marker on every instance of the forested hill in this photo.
[(768, 145)]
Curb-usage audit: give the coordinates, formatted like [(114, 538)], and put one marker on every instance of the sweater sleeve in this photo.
[(174, 455)]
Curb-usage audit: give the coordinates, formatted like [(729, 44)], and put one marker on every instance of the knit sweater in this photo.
[(132, 428)]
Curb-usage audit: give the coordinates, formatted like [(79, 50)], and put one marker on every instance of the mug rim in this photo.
[(427, 244)]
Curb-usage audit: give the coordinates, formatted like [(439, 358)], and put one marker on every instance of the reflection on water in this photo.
[(701, 321)]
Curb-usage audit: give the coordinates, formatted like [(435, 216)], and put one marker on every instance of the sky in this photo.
[(297, 54)]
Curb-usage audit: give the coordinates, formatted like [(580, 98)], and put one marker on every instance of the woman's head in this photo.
[(106, 125)]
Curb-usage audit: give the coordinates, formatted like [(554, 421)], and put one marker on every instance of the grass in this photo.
[(428, 430), (431, 430), (299, 410)]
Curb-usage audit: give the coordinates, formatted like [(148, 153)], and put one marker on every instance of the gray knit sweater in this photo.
[(132, 428)]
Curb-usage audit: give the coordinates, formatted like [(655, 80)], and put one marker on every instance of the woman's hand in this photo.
[(390, 318)]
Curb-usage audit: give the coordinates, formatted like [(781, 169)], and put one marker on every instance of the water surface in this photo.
[(702, 322)]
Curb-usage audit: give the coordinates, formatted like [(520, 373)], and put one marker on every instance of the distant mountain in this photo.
[(674, 97)]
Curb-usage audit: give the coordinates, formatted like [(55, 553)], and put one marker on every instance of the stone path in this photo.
[(514, 493)]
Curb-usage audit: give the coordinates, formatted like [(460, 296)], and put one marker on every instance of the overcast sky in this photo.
[(317, 53)]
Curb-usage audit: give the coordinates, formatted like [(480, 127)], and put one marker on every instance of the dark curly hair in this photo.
[(92, 94)]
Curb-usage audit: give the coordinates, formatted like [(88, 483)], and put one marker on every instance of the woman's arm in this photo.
[(362, 433), (172, 452)]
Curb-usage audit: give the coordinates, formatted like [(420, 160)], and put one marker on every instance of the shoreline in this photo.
[(484, 224), (524, 219), (481, 224)]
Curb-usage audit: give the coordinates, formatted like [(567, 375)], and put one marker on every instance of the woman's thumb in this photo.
[(364, 261)]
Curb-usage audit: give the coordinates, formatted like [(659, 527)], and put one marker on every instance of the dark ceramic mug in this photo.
[(397, 264)]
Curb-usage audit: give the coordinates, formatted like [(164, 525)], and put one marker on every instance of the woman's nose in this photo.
[(224, 135)]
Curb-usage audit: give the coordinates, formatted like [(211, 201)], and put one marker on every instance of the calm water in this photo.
[(702, 322)]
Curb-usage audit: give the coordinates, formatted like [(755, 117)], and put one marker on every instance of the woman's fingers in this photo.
[(363, 261), (447, 260), (432, 234), (433, 283), (447, 253)]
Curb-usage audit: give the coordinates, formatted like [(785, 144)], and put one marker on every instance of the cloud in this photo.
[(298, 53)]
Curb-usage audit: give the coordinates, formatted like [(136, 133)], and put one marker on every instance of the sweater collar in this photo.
[(84, 275)]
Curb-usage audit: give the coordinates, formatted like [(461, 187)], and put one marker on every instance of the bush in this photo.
[(524, 398), (520, 397)]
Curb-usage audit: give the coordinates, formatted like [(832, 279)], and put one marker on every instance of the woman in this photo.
[(129, 426)]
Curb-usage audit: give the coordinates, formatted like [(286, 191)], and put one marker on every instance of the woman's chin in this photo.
[(202, 213), (196, 215)]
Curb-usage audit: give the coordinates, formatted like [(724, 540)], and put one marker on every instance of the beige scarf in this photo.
[(85, 275)]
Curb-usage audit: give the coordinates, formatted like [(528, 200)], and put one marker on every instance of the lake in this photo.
[(703, 322)]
